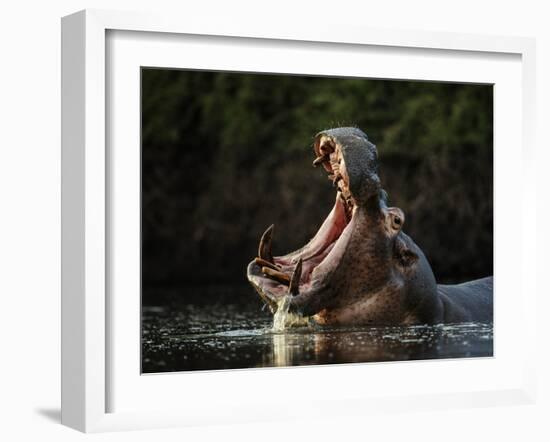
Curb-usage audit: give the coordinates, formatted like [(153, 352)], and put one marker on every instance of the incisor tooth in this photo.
[(263, 263), (281, 277)]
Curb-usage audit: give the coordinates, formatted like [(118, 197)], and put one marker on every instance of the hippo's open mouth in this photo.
[(309, 268)]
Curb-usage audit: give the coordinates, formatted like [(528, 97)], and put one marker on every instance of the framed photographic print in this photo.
[(222, 157), (206, 255)]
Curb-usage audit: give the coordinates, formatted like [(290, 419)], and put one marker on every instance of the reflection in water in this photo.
[(282, 355), (206, 338), (368, 344)]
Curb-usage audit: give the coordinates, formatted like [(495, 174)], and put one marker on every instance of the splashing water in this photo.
[(283, 319)]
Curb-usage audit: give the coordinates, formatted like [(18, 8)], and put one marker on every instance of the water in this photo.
[(283, 320), (224, 336)]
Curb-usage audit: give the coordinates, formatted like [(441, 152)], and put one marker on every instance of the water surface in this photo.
[(224, 335)]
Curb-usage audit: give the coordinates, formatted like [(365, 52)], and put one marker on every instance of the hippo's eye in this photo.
[(395, 219), (396, 222)]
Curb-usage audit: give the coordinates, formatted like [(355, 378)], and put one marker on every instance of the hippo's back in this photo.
[(470, 301)]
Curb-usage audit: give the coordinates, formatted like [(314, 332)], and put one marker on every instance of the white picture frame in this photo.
[(88, 316)]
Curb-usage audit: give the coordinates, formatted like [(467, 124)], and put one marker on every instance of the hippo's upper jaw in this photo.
[(351, 162)]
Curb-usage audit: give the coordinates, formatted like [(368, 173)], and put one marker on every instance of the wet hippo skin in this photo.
[(361, 268)]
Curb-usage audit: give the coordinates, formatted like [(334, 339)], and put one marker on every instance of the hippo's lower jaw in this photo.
[(305, 270)]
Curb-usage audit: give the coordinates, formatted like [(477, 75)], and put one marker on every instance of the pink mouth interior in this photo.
[(320, 256)]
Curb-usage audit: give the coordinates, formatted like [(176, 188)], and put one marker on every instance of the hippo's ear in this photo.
[(403, 254)]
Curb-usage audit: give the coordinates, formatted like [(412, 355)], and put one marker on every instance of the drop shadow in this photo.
[(51, 414)]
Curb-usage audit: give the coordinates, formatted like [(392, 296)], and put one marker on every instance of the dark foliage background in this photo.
[(224, 155)]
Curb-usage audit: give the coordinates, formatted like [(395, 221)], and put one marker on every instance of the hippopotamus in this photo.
[(361, 268)]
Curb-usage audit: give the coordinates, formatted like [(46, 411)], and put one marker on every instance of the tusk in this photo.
[(281, 277), (264, 250), (263, 263), (320, 160), (294, 286)]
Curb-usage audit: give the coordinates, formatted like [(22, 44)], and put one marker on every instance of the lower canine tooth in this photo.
[(264, 250), (294, 286)]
